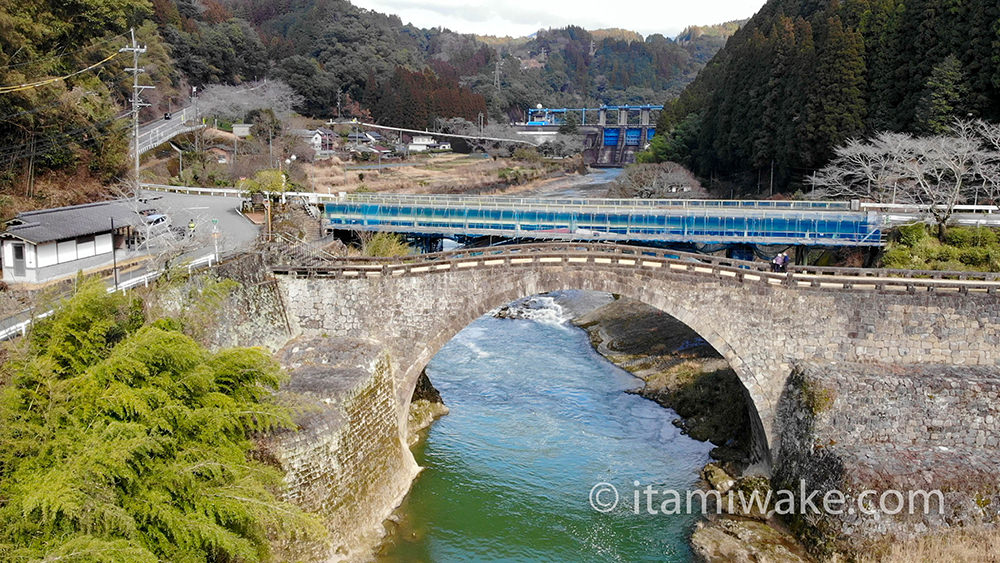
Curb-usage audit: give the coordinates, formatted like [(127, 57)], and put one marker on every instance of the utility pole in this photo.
[(137, 102), (772, 177), (496, 71), (339, 94)]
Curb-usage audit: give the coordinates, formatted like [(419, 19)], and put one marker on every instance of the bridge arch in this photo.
[(760, 322), (454, 321)]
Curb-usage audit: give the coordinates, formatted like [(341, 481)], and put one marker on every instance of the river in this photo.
[(537, 419)]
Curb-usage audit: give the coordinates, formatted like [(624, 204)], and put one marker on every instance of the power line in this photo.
[(56, 139), (36, 109), (22, 87), (53, 57)]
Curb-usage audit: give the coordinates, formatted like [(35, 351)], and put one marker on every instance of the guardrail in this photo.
[(575, 203), (651, 261), (709, 225), (638, 204), (163, 131), (21, 328)]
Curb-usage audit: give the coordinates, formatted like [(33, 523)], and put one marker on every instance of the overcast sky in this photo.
[(524, 17)]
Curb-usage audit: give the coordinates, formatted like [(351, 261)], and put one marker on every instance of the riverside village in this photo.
[(366, 281)]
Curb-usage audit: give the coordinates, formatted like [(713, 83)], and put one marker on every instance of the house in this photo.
[(364, 149), (329, 139), (319, 140), (48, 244), (356, 138), (313, 138), (420, 143)]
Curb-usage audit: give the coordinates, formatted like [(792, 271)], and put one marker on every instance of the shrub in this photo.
[(947, 254), (385, 244), (975, 256), (898, 257), (910, 235), (122, 440), (960, 236)]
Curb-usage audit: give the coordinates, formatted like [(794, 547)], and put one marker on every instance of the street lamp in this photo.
[(288, 162)]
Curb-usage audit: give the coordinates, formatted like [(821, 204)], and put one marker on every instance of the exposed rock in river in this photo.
[(680, 370), (683, 372), (426, 406)]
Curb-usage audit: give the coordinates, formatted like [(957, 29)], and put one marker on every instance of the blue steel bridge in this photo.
[(461, 218)]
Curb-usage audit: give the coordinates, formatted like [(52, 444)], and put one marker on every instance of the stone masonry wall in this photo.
[(346, 461), (761, 330), (855, 427)]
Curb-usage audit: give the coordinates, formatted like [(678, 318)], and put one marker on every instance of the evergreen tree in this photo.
[(941, 101)]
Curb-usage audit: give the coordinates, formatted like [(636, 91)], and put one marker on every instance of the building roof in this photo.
[(61, 223)]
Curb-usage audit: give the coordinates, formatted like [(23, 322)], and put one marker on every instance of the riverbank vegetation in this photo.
[(122, 439), (963, 248)]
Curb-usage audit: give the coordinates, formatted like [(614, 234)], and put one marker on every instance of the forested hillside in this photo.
[(64, 102), (803, 76), (48, 124), (325, 46)]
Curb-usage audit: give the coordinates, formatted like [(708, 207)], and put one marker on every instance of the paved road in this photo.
[(156, 132), (235, 231)]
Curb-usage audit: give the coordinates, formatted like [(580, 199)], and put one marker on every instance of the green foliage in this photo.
[(571, 125), (941, 101), (385, 245), (970, 236), (266, 181), (817, 397), (963, 248), (801, 77), (56, 125), (676, 145), (126, 441), (910, 235)]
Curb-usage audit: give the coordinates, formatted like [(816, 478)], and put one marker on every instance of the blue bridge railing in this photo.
[(601, 220)]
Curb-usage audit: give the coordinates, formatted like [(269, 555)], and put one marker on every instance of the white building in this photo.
[(420, 143), (48, 244)]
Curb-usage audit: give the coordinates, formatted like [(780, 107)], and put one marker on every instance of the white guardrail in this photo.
[(21, 328), (498, 201)]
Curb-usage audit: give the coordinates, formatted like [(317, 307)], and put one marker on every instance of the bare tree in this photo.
[(652, 181), (234, 102), (865, 171), (988, 169), (938, 172)]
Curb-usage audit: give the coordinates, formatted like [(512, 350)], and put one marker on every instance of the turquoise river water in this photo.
[(537, 419)]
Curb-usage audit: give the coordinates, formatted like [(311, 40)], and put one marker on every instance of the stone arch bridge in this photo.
[(762, 322)]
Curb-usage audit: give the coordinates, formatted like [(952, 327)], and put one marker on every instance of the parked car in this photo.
[(157, 223)]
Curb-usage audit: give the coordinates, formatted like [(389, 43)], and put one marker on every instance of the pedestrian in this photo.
[(191, 228), (783, 265), (776, 263)]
